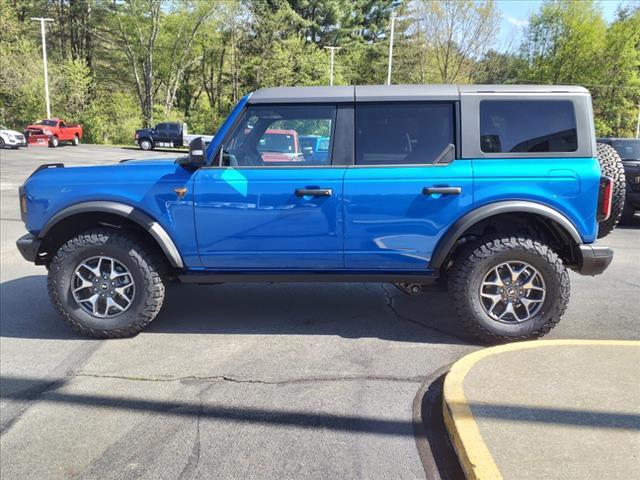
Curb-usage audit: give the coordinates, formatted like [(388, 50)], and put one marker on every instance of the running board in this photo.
[(286, 277)]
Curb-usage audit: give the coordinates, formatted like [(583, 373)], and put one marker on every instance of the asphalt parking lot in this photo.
[(242, 381)]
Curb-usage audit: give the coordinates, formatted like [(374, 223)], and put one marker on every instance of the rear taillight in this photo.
[(605, 195)]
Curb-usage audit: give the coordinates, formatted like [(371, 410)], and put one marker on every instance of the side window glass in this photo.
[(403, 133), (527, 126), (174, 127), (281, 136)]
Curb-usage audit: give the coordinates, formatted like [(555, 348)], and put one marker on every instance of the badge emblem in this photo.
[(180, 192)]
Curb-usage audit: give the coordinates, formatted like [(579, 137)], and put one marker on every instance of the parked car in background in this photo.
[(495, 190), (629, 151), (53, 132), (166, 135), (278, 145), (11, 138), (315, 148)]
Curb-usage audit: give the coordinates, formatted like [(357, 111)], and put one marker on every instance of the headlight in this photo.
[(46, 131)]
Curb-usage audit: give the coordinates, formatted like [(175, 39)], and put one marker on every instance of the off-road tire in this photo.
[(76, 141), (476, 260), (147, 270), (611, 166), (145, 144), (54, 142)]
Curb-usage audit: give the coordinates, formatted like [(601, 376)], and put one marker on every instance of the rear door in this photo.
[(262, 208), (406, 186)]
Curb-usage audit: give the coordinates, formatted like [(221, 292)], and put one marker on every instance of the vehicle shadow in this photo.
[(348, 310)]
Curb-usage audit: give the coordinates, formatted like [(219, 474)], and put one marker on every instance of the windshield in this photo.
[(49, 123), (627, 149), (277, 142)]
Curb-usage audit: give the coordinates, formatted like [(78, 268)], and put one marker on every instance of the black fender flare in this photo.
[(448, 241), (156, 230)]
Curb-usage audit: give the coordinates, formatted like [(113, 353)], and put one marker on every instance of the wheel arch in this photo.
[(556, 223), (100, 212)]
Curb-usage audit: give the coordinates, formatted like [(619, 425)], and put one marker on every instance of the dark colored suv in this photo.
[(629, 151)]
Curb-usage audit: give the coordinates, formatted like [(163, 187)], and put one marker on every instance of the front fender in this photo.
[(156, 230)]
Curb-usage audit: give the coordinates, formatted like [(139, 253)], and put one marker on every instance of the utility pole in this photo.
[(332, 50), (393, 22), (44, 59), (638, 123)]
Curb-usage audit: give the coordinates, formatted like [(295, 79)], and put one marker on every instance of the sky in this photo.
[(515, 14)]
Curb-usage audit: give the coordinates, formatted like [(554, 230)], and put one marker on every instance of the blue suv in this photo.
[(493, 190)]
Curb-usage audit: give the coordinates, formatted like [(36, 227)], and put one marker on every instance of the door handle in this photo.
[(314, 192), (441, 190)]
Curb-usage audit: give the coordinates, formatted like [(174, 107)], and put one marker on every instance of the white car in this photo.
[(11, 138)]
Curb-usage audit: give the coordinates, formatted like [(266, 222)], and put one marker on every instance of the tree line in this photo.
[(116, 65)]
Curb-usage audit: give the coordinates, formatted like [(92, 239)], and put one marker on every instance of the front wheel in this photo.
[(509, 288), (145, 144), (106, 284), (54, 142), (1, 143)]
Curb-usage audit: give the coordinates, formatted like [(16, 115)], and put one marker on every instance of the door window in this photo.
[(527, 126), (271, 136), (403, 133)]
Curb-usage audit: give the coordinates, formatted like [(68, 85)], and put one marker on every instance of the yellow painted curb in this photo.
[(475, 458)]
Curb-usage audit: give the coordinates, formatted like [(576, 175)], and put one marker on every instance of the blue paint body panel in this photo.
[(250, 218), (568, 185), (390, 224), (145, 185)]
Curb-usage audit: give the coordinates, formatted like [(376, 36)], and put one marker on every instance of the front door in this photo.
[(405, 188), (265, 206)]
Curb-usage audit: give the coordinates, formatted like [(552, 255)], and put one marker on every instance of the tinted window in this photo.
[(271, 136), (627, 149), (411, 133), (527, 126), (174, 127), (161, 126)]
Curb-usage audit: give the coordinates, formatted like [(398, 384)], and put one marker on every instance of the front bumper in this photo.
[(595, 259), (29, 246)]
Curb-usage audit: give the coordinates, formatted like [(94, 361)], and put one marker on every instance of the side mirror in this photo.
[(196, 151), (307, 152)]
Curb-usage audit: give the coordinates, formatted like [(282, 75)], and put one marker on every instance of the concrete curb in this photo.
[(475, 458)]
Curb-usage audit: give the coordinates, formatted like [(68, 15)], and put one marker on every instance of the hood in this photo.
[(10, 132)]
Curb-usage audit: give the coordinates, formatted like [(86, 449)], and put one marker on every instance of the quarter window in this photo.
[(403, 133), (281, 136), (527, 126)]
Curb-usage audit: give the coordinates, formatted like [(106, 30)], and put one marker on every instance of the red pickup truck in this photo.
[(52, 131)]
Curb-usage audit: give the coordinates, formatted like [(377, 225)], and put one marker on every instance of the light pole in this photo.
[(44, 59), (332, 50), (393, 22)]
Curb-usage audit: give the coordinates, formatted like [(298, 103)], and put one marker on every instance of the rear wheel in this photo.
[(54, 142), (106, 284), (145, 144), (611, 166), (509, 288), (76, 140)]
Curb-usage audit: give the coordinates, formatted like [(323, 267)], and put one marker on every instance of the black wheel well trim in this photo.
[(448, 241), (139, 217)]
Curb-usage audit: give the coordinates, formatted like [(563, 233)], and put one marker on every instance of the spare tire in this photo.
[(611, 166)]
